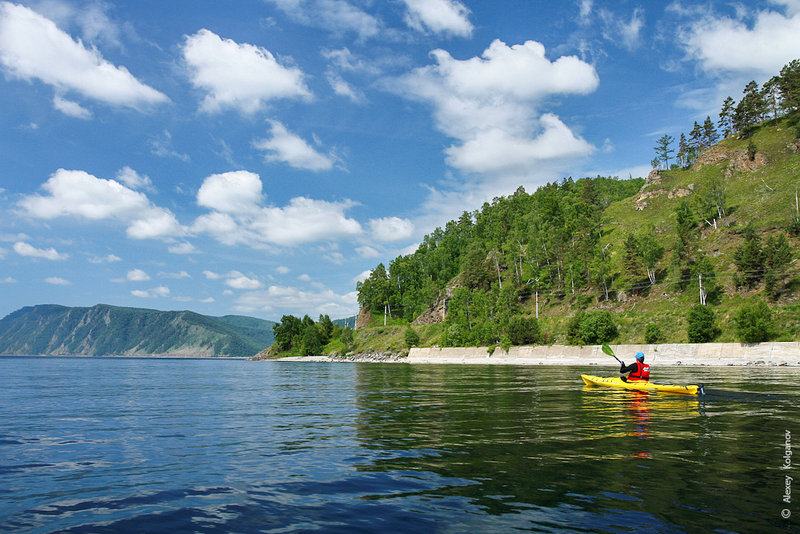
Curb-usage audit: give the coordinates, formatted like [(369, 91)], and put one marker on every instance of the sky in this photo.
[(259, 157)]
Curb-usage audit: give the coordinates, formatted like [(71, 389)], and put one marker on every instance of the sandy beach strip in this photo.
[(668, 354)]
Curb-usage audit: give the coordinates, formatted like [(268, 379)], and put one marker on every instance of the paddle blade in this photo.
[(608, 350)]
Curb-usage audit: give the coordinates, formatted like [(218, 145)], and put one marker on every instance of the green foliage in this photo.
[(411, 337), (754, 323), (591, 328), (311, 340), (702, 326), (524, 331), (749, 259), (347, 338), (286, 331), (653, 334)]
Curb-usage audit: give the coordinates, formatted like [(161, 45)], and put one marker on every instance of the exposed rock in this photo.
[(363, 319), (737, 160), (643, 196), (654, 178), (680, 192), (265, 354), (436, 313)]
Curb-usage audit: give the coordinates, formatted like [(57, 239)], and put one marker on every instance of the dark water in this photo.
[(119, 445)]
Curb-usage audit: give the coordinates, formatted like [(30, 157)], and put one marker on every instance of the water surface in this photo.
[(136, 445)]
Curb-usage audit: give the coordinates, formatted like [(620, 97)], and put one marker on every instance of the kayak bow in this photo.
[(641, 385)]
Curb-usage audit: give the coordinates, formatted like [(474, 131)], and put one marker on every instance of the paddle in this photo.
[(610, 352)]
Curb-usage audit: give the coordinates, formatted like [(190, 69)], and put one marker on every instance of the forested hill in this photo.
[(109, 330), (717, 230)]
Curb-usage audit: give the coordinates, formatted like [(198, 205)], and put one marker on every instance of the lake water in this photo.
[(135, 445)]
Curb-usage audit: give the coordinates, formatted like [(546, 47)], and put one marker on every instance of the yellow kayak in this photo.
[(641, 385)]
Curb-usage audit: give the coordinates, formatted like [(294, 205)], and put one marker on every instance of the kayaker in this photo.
[(638, 370)]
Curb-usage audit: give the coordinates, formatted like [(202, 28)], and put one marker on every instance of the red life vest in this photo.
[(642, 372)]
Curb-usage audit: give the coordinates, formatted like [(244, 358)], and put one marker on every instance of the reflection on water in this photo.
[(234, 446)]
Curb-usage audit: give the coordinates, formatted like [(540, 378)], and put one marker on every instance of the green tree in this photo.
[(326, 327), (411, 337), (726, 116), (524, 331), (347, 338), (664, 149), (286, 331), (710, 135), (749, 259), (650, 251), (789, 86), (311, 341), (701, 324), (591, 327), (777, 257), (754, 322)]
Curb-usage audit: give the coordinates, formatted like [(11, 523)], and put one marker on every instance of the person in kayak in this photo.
[(638, 370)]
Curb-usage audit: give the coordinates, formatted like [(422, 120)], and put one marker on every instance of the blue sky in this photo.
[(258, 157)]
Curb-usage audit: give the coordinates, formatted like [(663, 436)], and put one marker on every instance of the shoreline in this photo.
[(784, 354)]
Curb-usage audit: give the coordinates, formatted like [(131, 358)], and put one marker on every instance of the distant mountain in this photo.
[(104, 330)]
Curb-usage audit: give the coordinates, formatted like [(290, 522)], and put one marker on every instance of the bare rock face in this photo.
[(654, 178), (436, 313), (363, 319), (737, 160)]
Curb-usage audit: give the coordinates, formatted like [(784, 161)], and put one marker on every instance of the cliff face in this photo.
[(114, 331)]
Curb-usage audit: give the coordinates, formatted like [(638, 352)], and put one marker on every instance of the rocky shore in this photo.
[(675, 354)]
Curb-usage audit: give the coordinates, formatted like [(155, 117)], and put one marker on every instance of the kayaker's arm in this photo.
[(623, 369)]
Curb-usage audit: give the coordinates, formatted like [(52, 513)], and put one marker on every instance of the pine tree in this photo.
[(664, 149), (696, 138), (749, 259), (683, 151), (710, 135), (771, 92), (726, 116), (789, 86)]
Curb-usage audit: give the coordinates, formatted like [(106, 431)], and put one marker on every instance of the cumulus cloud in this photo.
[(237, 280), (133, 179), (25, 249), (391, 229), (492, 102), (70, 108), (109, 258), (287, 299), (56, 281), (33, 47), (74, 193), (730, 44), (137, 275), (303, 220), (284, 146), (152, 293), (444, 17), (182, 248), (231, 192), (337, 16), (239, 76)]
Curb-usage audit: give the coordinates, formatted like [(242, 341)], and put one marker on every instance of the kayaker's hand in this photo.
[(623, 364)]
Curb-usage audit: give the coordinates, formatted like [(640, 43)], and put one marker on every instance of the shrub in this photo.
[(701, 324), (591, 328), (524, 331), (754, 322), (653, 334), (411, 337)]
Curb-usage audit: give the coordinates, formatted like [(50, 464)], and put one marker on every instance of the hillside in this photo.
[(639, 250), (109, 330)]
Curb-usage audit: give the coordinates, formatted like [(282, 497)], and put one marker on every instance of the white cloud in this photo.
[(110, 258), (211, 275), (296, 301), (239, 76), (237, 280), (730, 45), (24, 249), (175, 276), (155, 292), (8, 280), (491, 103), (367, 252), (79, 194), (361, 277), (282, 269), (33, 47), (391, 229), (137, 275), (231, 192), (70, 108), (182, 248), (303, 220), (56, 281), (624, 33), (337, 16), (133, 179), (444, 17), (304, 278), (289, 148)]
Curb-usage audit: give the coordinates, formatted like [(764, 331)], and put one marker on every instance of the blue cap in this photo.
[(640, 356)]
